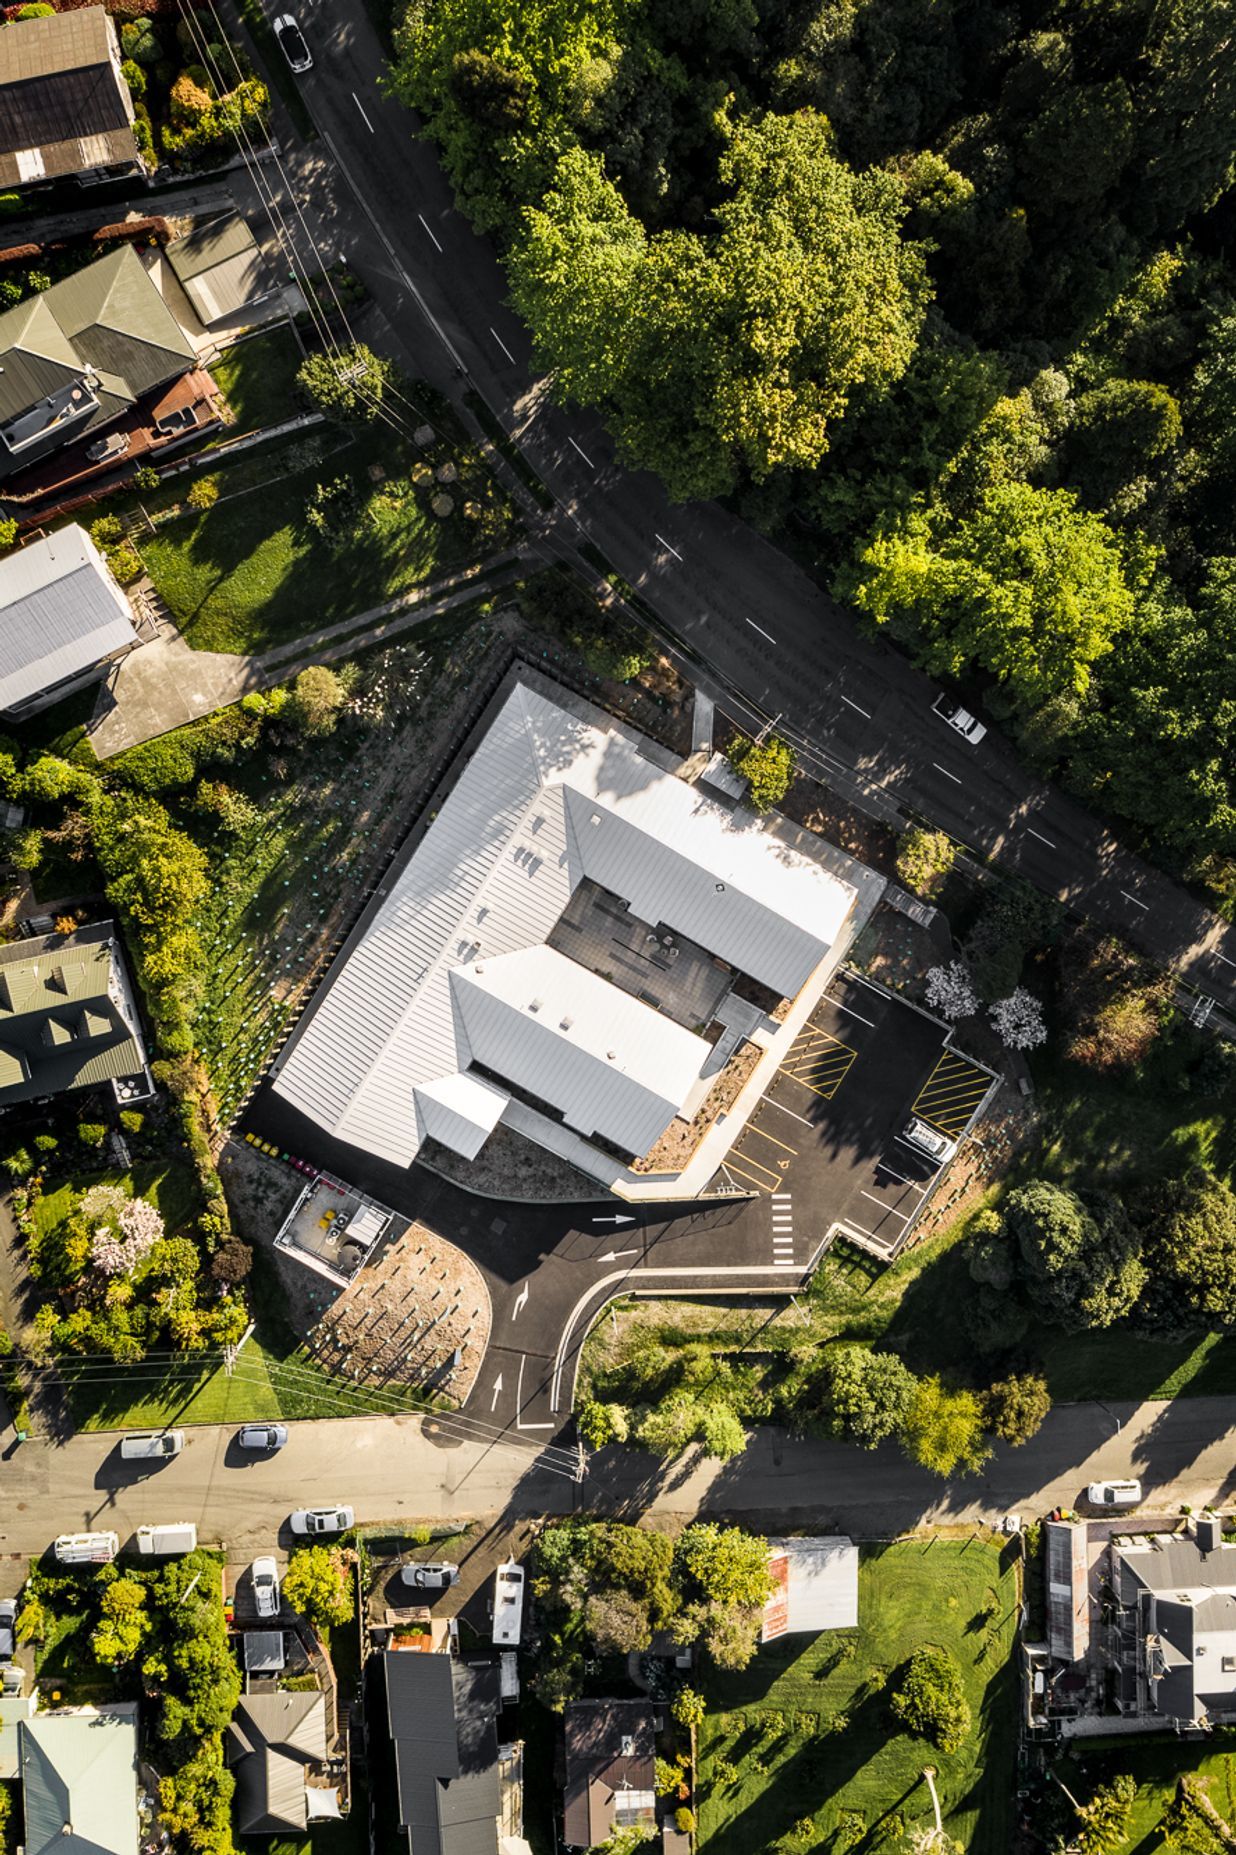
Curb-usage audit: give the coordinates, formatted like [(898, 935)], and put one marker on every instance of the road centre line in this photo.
[(946, 773), (360, 106), (887, 1208), (854, 705), (581, 450), (1041, 838), (850, 1012), (761, 630), (1144, 906), (428, 228), (667, 545), (510, 357)]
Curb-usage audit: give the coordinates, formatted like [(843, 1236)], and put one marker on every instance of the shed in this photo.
[(62, 619), (816, 1586), (221, 268)]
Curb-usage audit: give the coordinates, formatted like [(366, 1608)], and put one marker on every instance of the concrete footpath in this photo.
[(394, 1468)]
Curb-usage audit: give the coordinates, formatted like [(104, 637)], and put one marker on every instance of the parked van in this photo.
[(508, 1605), (86, 1548), (177, 1536), (151, 1445)]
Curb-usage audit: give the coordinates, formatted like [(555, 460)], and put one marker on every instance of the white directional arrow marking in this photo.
[(521, 1302), (613, 1220), (497, 1388), (613, 1255)]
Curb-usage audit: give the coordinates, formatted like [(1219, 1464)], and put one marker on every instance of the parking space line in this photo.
[(767, 1136), (849, 1009), (732, 1165), (882, 1165), (887, 1208), (824, 1094), (757, 1165), (774, 1103)]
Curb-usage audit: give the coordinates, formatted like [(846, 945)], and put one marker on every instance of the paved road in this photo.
[(764, 629), (397, 1468)]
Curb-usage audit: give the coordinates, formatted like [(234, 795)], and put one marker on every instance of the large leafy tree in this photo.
[(869, 1394), (1029, 587), (943, 1430), (1081, 1265), (1193, 1246), (736, 352)]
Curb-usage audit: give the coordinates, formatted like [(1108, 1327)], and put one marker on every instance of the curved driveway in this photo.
[(763, 631)]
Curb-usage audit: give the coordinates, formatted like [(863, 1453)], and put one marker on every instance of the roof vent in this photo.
[(595, 818), (566, 1024), (719, 887), (535, 1005)]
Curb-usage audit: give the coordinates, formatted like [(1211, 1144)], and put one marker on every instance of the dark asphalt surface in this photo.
[(772, 641)]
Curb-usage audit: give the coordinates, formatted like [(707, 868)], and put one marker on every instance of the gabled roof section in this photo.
[(61, 612), (50, 990), (113, 314), (441, 1714), (273, 1741), (79, 1783), (554, 792), (64, 107)]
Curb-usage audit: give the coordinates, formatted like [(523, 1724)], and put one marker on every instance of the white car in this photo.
[(263, 1436), (1114, 1493), (319, 1520), (930, 1140), (8, 1628), (292, 44), (430, 1577), (967, 725), (266, 1595)]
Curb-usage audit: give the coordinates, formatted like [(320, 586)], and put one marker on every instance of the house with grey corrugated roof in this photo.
[(276, 1748), (78, 1770), (63, 621), (442, 1717), (65, 109), (68, 1019), (1177, 1599), (222, 270), (77, 357)]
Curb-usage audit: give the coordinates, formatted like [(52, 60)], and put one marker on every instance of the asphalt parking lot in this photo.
[(826, 1147)]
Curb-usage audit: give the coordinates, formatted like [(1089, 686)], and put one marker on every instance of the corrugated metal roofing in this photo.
[(79, 1781), (460, 1112), (62, 96), (60, 612), (548, 798)]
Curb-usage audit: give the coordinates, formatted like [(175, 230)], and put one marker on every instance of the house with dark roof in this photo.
[(610, 1769), (442, 1715), (76, 358), (67, 1018), (78, 1770), (276, 1749), (65, 109), (1177, 1599), (63, 621)]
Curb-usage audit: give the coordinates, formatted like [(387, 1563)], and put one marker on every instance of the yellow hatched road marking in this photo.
[(733, 1164)]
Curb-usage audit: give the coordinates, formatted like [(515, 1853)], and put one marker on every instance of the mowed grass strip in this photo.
[(258, 379), (809, 1731)]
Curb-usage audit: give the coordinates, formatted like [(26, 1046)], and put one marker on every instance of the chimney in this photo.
[(1209, 1532)]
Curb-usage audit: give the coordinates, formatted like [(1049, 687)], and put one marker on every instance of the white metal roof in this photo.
[(460, 1111), (60, 612), (548, 798), (816, 1586), (612, 1064)]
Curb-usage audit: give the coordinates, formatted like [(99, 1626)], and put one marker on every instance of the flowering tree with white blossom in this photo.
[(950, 991), (124, 1229), (1019, 1020)]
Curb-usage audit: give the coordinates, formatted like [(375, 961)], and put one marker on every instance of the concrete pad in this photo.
[(162, 686)]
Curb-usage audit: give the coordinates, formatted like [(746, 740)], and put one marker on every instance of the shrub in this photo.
[(767, 766), (687, 1708), (91, 1133), (204, 493), (8, 532), (146, 478), (125, 563), (599, 1424), (316, 700), (45, 1143), (331, 509), (950, 992), (349, 386), (232, 1262), (189, 100), (106, 531), (924, 859), (18, 1164), (132, 1120), (684, 1820), (1018, 1020), (931, 1700), (36, 9), (316, 1584), (134, 77), (26, 848), (140, 42)]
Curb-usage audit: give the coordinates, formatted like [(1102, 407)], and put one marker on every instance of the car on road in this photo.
[(292, 43), (8, 1628), (929, 1140), (265, 1575), (151, 1445), (967, 725), (263, 1436), (320, 1520), (1114, 1493), (430, 1576)]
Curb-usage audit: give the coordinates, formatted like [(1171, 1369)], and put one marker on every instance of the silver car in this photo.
[(8, 1628), (263, 1436), (266, 1587), (316, 1521), (430, 1576), (967, 725), (292, 44)]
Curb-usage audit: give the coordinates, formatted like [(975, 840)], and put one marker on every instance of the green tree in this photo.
[(724, 1563), (317, 699), (1012, 921), (316, 1583), (601, 1423), (156, 876), (688, 1709), (930, 1700), (869, 1394), (349, 385), (1016, 1407), (124, 1622), (1104, 1821), (943, 1430), (1029, 587), (1081, 1265), (767, 766), (924, 859), (1193, 1245), (617, 1623)]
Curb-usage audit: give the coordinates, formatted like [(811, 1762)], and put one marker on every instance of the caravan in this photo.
[(508, 1605)]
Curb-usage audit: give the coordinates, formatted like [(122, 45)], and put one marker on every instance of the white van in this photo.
[(508, 1605), (86, 1548), (177, 1536), (151, 1445)]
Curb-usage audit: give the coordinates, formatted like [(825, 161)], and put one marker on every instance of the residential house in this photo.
[(65, 109), (577, 945), (96, 348), (442, 1716), (67, 1018), (78, 1770), (1176, 1596), (63, 621), (276, 1748), (610, 1769)]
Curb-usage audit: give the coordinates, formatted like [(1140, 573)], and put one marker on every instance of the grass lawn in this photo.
[(833, 1751), (258, 378), (1156, 1764), (170, 1187), (250, 573)]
